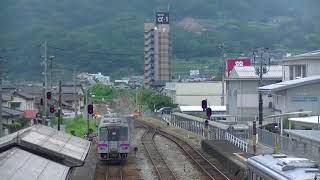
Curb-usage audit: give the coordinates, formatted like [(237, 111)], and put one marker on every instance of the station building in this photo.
[(300, 89), (242, 91)]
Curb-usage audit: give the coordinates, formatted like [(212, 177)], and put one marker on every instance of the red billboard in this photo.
[(231, 63)]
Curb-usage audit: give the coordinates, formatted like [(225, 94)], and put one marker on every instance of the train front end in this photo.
[(113, 142)]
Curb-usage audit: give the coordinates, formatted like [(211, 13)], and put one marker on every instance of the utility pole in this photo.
[(262, 66), (50, 77), (45, 80), (222, 72), (60, 104), (75, 95), (1, 127)]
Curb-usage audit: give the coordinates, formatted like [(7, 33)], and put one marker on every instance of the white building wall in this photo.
[(192, 93), (312, 67), (306, 98)]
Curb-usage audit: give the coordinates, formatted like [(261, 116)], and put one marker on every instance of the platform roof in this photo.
[(199, 108), (55, 141), (309, 119), (194, 118), (16, 163), (313, 135), (276, 169)]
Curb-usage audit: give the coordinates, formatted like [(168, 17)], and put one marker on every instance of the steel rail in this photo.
[(162, 169), (203, 163)]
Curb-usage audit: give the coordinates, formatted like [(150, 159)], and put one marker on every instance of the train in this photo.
[(113, 138)]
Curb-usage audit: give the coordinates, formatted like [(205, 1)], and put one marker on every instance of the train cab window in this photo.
[(123, 134), (103, 134), (113, 134)]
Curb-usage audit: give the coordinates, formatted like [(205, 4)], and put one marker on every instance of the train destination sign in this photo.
[(162, 17)]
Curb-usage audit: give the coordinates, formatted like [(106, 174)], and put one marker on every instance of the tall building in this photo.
[(157, 51)]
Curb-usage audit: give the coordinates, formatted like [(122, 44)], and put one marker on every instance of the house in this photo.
[(242, 91), (9, 116), (72, 95)]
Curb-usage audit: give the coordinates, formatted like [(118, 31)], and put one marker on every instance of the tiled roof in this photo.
[(248, 72), (10, 112), (30, 114)]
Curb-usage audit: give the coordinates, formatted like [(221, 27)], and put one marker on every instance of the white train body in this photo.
[(113, 138)]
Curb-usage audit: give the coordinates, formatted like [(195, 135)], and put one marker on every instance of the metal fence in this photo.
[(241, 144), (234, 137), (289, 146)]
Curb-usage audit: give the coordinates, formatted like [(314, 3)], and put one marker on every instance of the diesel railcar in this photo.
[(113, 138)]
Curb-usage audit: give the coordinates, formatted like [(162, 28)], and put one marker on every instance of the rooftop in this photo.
[(248, 72), (313, 135), (45, 154), (283, 167), (290, 84), (199, 108), (309, 55), (11, 112), (201, 120), (20, 164), (308, 119)]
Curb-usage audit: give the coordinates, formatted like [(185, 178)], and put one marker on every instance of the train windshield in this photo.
[(103, 134), (123, 134), (113, 134)]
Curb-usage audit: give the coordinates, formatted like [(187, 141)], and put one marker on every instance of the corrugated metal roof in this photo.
[(248, 72), (199, 108), (16, 163), (274, 168), (313, 135), (59, 142), (291, 83)]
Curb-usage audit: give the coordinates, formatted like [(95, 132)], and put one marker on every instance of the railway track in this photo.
[(114, 172), (162, 169), (206, 166)]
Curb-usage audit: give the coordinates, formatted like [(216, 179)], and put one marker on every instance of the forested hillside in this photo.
[(107, 35)]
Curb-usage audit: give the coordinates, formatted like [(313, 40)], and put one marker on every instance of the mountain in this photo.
[(107, 36)]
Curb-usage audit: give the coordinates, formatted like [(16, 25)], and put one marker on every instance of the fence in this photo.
[(196, 126), (243, 145), (289, 146)]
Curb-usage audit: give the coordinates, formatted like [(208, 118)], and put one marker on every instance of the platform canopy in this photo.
[(16, 163), (199, 108)]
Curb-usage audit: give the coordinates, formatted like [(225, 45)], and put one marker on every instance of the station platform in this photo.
[(231, 156)]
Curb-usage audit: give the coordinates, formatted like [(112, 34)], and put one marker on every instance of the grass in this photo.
[(79, 125)]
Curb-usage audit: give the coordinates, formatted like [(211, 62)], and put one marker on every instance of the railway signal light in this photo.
[(204, 104), (41, 102), (52, 109), (90, 109), (209, 112), (49, 95)]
